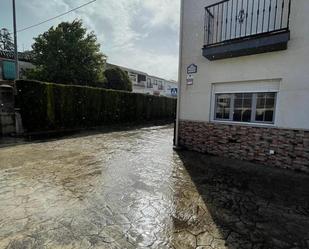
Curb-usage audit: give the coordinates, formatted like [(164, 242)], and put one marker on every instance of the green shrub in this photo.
[(48, 106), (117, 79)]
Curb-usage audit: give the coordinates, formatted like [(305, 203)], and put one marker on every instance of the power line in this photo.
[(55, 17)]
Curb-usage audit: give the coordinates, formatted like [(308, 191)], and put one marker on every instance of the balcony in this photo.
[(236, 28)]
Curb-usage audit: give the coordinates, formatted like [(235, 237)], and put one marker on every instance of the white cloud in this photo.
[(42, 9), (164, 65), (141, 34), (166, 12)]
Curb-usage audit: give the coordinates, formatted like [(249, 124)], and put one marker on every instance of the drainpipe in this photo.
[(176, 139)]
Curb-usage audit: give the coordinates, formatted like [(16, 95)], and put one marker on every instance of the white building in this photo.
[(244, 80), (148, 84)]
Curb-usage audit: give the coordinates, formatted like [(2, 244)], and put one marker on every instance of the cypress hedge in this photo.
[(49, 106)]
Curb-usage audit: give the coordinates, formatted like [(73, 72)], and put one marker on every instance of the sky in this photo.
[(139, 34)]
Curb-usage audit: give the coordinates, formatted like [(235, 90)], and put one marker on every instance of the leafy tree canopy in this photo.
[(6, 41), (117, 79), (67, 54)]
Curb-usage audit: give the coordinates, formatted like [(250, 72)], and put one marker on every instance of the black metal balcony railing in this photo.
[(231, 20)]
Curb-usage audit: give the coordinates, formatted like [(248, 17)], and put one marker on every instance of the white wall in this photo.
[(289, 67), (23, 66)]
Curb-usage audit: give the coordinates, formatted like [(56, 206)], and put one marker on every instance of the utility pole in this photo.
[(15, 42)]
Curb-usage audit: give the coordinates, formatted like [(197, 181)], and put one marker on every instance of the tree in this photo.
[(117, 79), (67, 54), (6, 41)]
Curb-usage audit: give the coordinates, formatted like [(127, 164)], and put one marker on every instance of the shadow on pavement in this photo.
[(252, 206)]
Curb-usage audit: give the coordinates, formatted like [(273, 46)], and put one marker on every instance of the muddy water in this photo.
[(127, 190)]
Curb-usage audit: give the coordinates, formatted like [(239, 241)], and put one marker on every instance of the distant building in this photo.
[(7, 64), (148, 84)]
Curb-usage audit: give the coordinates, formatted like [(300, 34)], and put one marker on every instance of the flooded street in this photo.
[(129, 189)]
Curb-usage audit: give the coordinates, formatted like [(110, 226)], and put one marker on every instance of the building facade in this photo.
[(244, 80), (148, 84), (7, 64)]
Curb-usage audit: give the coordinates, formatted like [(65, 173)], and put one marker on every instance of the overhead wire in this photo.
[(55, 17)]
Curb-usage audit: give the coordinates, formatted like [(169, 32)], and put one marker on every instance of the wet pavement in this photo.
[(129, 189)]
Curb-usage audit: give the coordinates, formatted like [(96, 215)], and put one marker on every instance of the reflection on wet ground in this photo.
[(129, 189)]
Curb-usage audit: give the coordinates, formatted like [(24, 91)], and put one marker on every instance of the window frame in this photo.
[(231, 108), (253, 108)]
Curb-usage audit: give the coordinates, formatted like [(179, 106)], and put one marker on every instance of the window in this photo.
[(223, 106), (265, 107), (149, 84), (242, 107), (160, 83), (246, 107), (141, 78)]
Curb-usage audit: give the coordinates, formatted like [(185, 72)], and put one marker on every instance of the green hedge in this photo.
[(48, 106)]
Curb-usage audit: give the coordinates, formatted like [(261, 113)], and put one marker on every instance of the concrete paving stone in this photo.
[(129, 189)]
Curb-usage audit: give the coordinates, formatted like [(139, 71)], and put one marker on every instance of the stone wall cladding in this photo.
[(248, 143)]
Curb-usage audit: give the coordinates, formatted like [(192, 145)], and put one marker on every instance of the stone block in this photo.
[(248, 143)]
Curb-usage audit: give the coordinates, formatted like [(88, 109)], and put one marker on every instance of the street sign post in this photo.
[(15, 42)]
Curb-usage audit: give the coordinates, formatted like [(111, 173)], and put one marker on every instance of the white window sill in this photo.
[(264, 125)]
